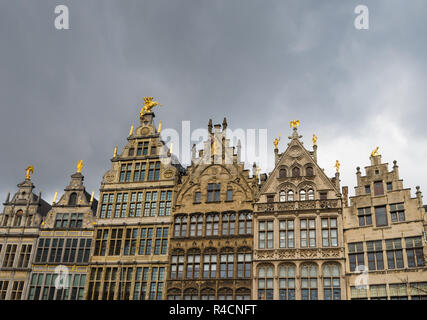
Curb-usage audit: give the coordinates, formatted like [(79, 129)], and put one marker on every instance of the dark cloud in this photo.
[(71, 95)]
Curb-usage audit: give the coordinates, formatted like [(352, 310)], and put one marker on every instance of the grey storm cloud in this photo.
[(67, 95)]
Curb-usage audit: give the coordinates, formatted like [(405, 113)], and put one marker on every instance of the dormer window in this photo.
[(72, 201), (295, 172), (378, 188)]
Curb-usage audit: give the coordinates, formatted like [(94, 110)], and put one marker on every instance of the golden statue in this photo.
[(30, 170), (148, 105), (337, 165), (375, 152), (131, 130), (55, 196), (91, 196), (276, 141), (115, 152), (294, 123), (314, 139), (79, 166), (159, 129)]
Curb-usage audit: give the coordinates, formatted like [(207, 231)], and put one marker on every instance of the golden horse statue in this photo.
[(148, 105)]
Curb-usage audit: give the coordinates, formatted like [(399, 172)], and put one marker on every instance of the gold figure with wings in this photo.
[(294, 123)]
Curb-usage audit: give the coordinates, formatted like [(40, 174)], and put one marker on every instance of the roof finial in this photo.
[(30, 170), (79, 166)]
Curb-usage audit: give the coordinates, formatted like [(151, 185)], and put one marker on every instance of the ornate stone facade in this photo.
[(134, 219), (61, 261), (298, 239), (19, 230), (385, 235), (211, 245)]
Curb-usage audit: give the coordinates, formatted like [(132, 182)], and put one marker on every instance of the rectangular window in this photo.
[(229, 195), (214, 192), (368, 189), (286, 234), (414, 251), (265, 235), (356, 256), (323, 195), (308, 233), (3, 289), (365, 217), (145, 242), (9, 256), (381, 216), (197, 197), (17, 289), (106, 206), (24, 256), (329, 232), (378, 292), (397, 212), (375, 255), (389, 186), (378, 188), (394, 253)]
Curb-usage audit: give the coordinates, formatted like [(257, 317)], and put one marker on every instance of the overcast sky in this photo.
[(67, 95)]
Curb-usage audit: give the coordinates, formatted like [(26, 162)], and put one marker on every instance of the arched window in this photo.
[(196, 225), (225, 294), (191, 294), (207, 294), (295, 172), (73, 199), (244, 259), (290, 195), (245, 223), (265, 283), (309, 282), (180, 226), (193, 264), (302, 195), (228, 223), (243, 294), (331, 282), (174, 294), (282, 196), (227, 264), (18, 218), (282, 173), (177, 265), (209, 263), (287, 282), (212, 224), (310, 194), (309, 171)]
